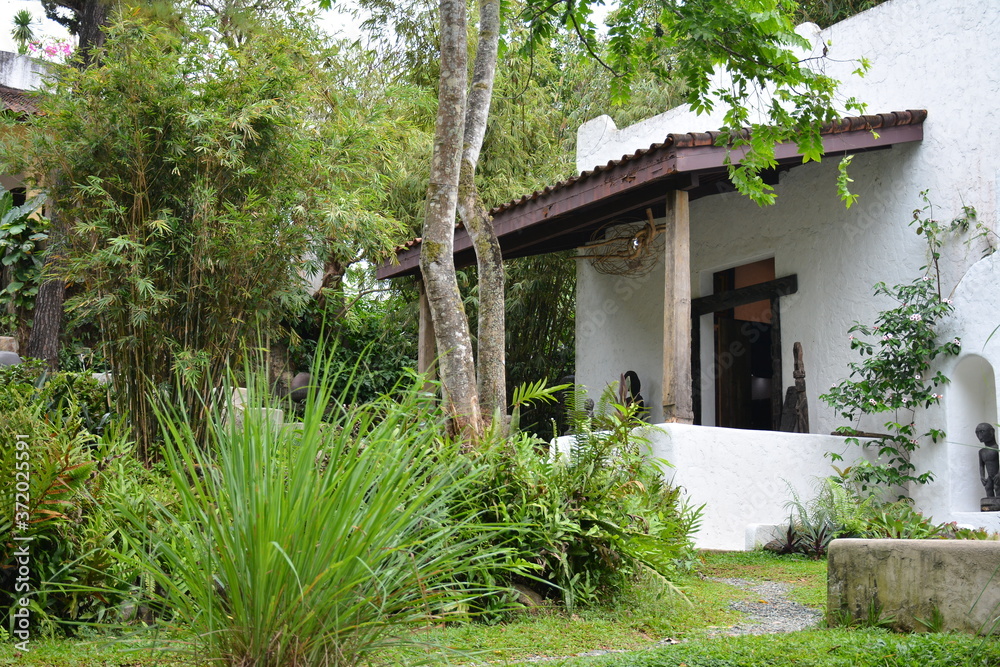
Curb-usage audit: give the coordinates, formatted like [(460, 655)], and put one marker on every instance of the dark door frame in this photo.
[(772, 290)]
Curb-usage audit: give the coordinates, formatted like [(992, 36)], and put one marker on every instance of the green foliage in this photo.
[(811, 527), (841, 508), (375, 330), (584, 523), (22, 32), (895, 375), (21, 236), (185, 177), (312, 545), (73, 478), (828, 12), (936, 621), (874, 617), (900, 521), (755, 41), (53, 393)]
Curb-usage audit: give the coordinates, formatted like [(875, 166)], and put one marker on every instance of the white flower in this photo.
[(916, 317), (872, 401), (956, 341)]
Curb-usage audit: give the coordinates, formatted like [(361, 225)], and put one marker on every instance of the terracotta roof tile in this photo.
[(16, 100), (709, 138)]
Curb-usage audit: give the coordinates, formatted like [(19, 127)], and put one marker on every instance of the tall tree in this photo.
[(437, 261), (677, 40), (185, 170), (22, 32), (86, 19), (491, 371)]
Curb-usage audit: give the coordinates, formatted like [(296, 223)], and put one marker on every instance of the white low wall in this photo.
[(743, 477)]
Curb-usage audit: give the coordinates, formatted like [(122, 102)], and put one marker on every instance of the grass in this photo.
[(813, 648), (644, 615), (807, 576), (95, 652)]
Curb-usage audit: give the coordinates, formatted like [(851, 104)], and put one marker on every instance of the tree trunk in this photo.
[(93, 16), (43, 343), (332, 285), (437, 260), (491, 367)]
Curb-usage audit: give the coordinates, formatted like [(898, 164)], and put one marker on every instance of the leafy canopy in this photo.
[(742, 56)]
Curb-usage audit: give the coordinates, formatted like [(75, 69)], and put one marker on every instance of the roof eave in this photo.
[(645, 177)]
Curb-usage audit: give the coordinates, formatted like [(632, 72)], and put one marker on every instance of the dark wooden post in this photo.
[(426, 343), (677, 399)]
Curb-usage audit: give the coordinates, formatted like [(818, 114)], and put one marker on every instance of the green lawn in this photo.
[(643, 617), (813, 648)]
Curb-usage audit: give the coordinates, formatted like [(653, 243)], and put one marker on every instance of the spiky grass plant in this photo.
[(312, 544)]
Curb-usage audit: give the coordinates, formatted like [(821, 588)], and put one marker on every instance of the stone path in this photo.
[(771, 613)]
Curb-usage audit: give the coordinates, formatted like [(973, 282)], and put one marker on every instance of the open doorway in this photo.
[(744, 342)]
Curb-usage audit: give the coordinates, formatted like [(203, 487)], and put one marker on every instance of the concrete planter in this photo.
[(951, 584)]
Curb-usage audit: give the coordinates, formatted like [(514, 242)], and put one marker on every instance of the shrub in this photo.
[(895, 376), (59, 484), (841, 509), (581, 525), (55, 393), (310, 545)]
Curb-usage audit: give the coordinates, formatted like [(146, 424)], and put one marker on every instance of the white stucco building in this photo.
[(715, 366), (19, 75)]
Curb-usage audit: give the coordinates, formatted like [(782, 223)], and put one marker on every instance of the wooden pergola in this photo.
[(681, 169)]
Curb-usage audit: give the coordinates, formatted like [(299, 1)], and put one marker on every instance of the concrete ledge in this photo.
[(759, 534), (957, 581)]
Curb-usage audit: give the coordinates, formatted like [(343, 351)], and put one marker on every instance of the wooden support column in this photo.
[(426, 342), (677, 399)]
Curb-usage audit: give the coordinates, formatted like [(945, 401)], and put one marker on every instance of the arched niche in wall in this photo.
[(971, 399)]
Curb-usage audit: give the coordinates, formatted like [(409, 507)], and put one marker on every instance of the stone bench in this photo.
[(953, 584)]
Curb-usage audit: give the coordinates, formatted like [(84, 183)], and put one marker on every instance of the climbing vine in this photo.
[(894, 377)]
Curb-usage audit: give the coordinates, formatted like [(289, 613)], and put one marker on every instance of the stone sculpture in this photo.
[(629, 395), (300, 387), (989, 460)]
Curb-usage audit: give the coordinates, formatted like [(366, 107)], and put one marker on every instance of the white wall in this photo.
[(970, 398), (619, 320), (20, 72), (742, 477)]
